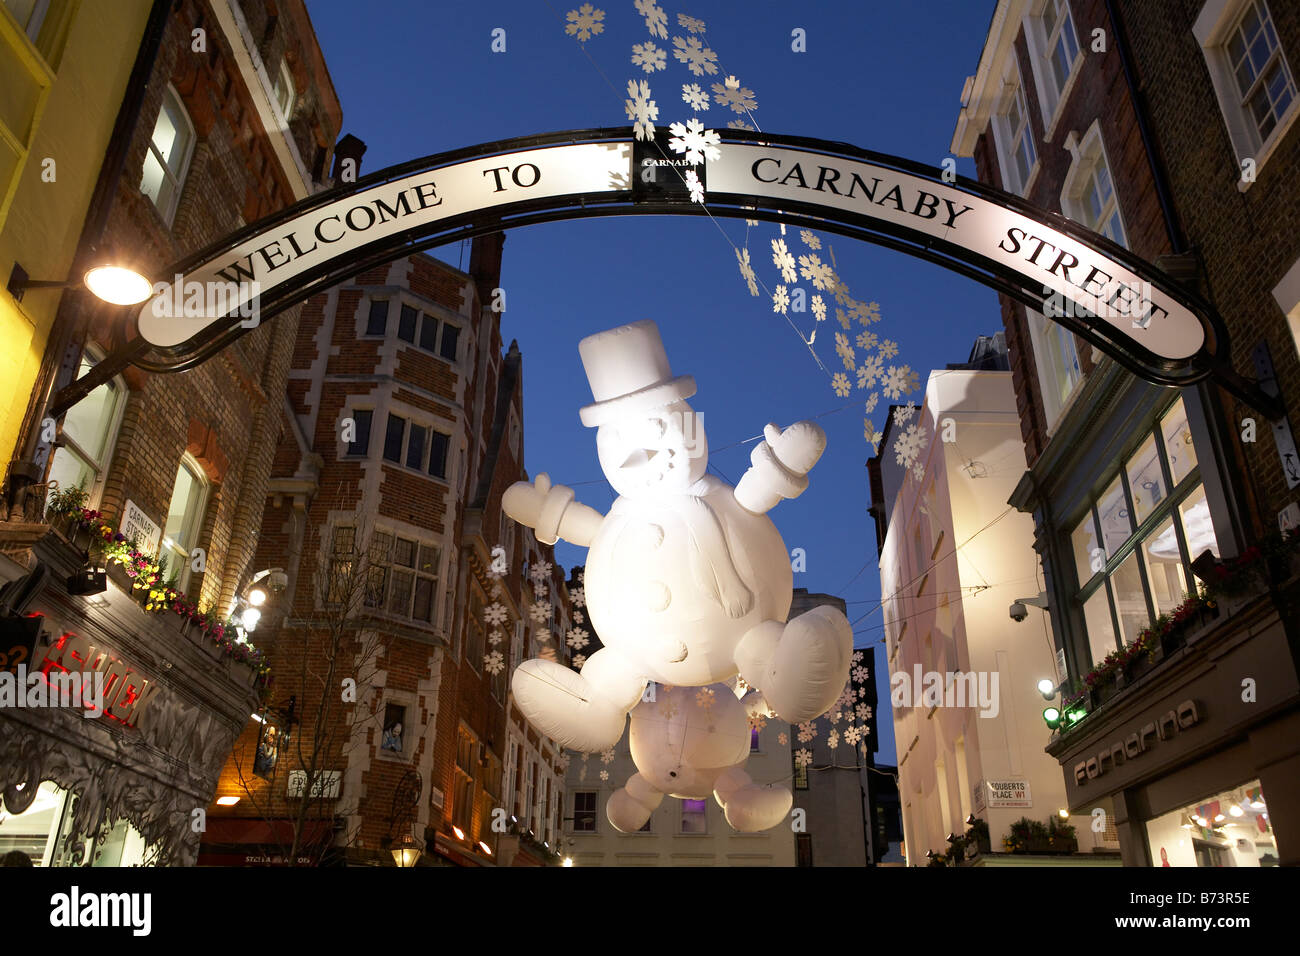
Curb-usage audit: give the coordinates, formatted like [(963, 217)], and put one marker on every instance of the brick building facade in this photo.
[(400, 430), (236, 118), (1168, 128)]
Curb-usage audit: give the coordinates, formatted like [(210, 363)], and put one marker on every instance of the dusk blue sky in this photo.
[(417, 78)]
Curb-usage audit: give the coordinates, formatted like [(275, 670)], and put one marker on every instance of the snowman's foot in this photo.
[(748, 807), (563, 705), (809, 666), (628, 809)]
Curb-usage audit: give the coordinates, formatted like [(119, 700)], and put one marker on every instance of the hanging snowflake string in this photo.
[(747, 270), (649, 57), (690, 23), (494, 662), (641, 110), (698, 58), (694, 97)]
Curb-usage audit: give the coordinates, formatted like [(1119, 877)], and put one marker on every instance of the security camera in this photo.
[(277, 581), (1019, 612)]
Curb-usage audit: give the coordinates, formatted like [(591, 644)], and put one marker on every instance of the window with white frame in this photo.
[(1057, 358), (1054, 50), (168, 158), (584, 811), (184, 519), (1088, 193), (1014, 137), (1252, 79), (89, 434), (285, 92), (402, 576)]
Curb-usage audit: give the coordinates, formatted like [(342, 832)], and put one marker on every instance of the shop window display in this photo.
[(1231, 828), (40, 833)]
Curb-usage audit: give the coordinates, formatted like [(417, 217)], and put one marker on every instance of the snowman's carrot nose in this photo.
[(639, 457)]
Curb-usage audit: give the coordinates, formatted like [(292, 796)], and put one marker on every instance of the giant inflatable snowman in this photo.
[(687, 581)]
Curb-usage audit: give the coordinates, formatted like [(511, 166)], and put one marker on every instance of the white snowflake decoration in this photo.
[(495, 614), (641, 109), (894, 381), (867, 339), (741, 124), (809, 239), (649, 57), (579, 660), (698, 58), (694, 186), (833, 739), (690, 23), (607, 756), (840, 384), (903, 414), (656, 21), (696, 98), (584, 22), (578, 617), (864, 712), (783, 738), (747, 271), (803, 757), (577, 638), (842, 346), (807, 731), (495, 638), (852, 735), (888, 348), (857, 657), (696, 142), (780, 300), (582, 774), (908, 445), (604, 775), (870, 371), (540, 611), (860, 673), (578, 597), (704, 697), (784, 261), (872, 399), (731, 93), (819, 308), (757, 721), (819, 273), (872, 436), (494, 663)]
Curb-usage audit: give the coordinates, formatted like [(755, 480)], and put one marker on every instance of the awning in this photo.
[(241, 841)]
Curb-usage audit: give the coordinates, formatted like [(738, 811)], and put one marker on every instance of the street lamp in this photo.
[(115, 284), (406, 851)]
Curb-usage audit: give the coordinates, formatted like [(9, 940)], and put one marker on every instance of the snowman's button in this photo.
[(655, 596), (652, 535)]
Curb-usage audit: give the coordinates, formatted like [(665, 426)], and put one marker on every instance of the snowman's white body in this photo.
[(647, 582)]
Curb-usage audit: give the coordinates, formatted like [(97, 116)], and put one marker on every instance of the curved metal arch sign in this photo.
[(1125, 306)]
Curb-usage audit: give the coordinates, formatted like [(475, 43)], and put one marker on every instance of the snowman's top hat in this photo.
[(628, 371)]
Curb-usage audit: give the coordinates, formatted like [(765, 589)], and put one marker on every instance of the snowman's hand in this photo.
[(798, 447), (551, 511)]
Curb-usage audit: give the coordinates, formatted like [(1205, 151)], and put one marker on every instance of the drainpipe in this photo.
[(63, 350), (1177, 239)]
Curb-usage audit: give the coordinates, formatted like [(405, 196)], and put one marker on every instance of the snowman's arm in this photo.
[(552, 511), (779, 466)]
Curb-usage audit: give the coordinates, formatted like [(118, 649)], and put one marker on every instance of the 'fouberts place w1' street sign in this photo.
[(1125, 306)]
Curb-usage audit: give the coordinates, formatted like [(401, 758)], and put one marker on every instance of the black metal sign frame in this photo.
[(632, 194)]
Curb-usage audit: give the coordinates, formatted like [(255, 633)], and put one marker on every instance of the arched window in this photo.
[(168, 158)]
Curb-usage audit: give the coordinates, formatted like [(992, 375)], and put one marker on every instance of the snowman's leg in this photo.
[(630, 807), (584, 711), (747, 806), (802, 666)]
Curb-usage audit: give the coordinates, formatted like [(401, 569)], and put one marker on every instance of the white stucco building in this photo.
[(955, 556)]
